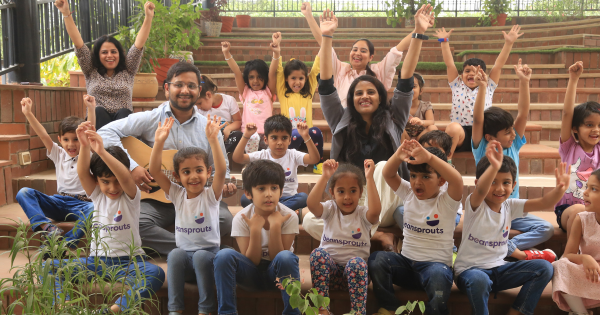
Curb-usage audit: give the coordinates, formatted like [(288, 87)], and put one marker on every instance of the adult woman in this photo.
[(369, 127), (108, 71)]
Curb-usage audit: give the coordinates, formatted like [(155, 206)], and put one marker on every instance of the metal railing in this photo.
[(8, 53)]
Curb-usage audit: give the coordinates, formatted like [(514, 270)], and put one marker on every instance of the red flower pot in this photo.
[(227, 24), (500, 20), (243, 20), (164, 64)]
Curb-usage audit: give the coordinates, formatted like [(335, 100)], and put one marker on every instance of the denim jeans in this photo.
[(295, 202), (533, 275), (233, 268), (315, 134), (152, 280), (399, 218), (387, 269), (196, 267), (38, 207), (535, 230)]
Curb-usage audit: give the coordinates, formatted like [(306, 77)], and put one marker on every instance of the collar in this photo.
[(69, 158)]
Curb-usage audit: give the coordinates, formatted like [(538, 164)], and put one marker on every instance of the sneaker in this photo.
[(318, 169), (51, 231), (546, 254), (454, 254)]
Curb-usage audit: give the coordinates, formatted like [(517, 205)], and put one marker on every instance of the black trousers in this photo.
[(103, 117)]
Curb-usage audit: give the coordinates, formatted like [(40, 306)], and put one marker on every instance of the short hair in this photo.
[(278, 123), (420, 81), (583, 111), (121, 66), (261, 68), (294, 65), (69, 124), (442, 139), (424, 167), (207, 85), (183, 67), (345, 169), (496, 119), (508, 166), (189, 152), (262, 172), (99, 167), (474, 62)]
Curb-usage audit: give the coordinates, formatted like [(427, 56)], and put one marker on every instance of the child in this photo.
[(578, 148), (464, 89), (196, 215), (295, 90), (340, 259), (225, 106), (575, 285), (480, 267), (71, 203), (497, 124), (265, 232), (255, 87), (421, 118), (429, 222), (278, 135)]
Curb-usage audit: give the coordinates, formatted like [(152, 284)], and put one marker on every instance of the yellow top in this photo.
[(294, 106)]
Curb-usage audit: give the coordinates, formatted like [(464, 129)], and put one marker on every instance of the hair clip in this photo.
[(201, 82), (292, 59)]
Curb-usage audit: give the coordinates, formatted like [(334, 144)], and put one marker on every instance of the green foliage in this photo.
[(557, 11), (410, 307), (533, 51), (55, 72), (303, 303), (491, 10), (406, 9)]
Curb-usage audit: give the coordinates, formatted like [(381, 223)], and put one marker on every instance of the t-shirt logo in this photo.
[(288, 172), (505, 232), (356, 235), (199, 220), (433, 222), (118, 216)]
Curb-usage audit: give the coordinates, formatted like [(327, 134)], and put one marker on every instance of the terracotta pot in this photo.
[(145, 87), (164, 64), (500, 20), (243, 20), (227, 24), (212, 29)]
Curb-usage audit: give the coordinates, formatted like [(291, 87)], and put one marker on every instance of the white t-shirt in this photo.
[(228, 108), (345, 236), (428, 226), (240, 228), (67, 180), (290, 162), (485, 235), (119, 222), (445, 188), (463, 100), (196, 220)]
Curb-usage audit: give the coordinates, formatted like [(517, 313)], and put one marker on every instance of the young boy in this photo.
[(71, 203), (497, 124), (278, 136), (117, 203), (480, 267), (429, 221), (265, 232), (464, 89)]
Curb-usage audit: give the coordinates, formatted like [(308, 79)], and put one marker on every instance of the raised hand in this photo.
[(576, 70), (329, 167), (523, 71), (149, 9), (95, 140), (419, 154), (162, 132), (213, 127), (256, 222), (512, 36), (306, 9), (303, 130), (26, 104), (225, 47), (250, 130), (401, 153), (81, 136), (89, 101), (276, 43), (329, 22), (416, 121), (369, 168), (563, 176), (494, 154), (441, 33), (63, 6), (422, 18), (481, 78)]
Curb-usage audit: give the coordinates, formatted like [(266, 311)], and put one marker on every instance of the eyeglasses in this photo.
[(180, 85)]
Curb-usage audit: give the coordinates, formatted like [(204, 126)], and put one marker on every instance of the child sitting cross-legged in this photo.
[(480, 267), (340, 260), (196, 215), (429, 221)]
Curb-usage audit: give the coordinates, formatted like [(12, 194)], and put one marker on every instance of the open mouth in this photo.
[(72, 152), (268, 203), (356, 59), (111, 194), (365, 104), (419, 191), (499, 196)]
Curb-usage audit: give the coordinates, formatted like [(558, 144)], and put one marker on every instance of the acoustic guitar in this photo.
[(140, 153)]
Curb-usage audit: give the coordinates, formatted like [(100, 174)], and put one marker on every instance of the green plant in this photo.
[(410, 307), (214, 13), (303, 302), (406, 9), (55, 72), (493, 8), (557, 11)]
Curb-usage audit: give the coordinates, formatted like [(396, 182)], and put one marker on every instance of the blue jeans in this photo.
[(387, 269), (295, 202), (233, 268), (533, 275), (399, 218), (152, 280), (195, 266), (535, 230), (38, 207), (315, 134)]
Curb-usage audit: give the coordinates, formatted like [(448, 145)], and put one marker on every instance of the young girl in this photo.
[(196, 215), (421, 120), (578, 147), (255, 87), (295, 90), (575, 285), (224, 106), (340, 260)]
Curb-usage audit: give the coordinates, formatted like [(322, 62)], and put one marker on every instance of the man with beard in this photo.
[(182, 91)]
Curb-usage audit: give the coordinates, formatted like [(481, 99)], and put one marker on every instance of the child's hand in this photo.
[(162, 132), (306, 9), (576, 70), (422, 18), (401, 152), (416, 121), (494, 154), (442, 33), (213, 127), (89, 101), (275, 218), (563, 176), (419, 153), (256, 222), (329, 167), (481, 78), (95, 140), (149, 9), (81, 136), (591, 269), (369, 168), (276, 37), (276, 43), (512, 36), (329, 22), (523, 71), (63, 6), (225, 47), (250, 130), (26, 106), (303, 130)]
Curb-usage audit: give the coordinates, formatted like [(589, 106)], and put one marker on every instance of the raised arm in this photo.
[(329, 24), (142, 36), (239, 155), (374, 201), (212, 133), (451, 70), (390, 169), (90, 104), (63, 7), (161, 135), (479, 107), (563, 175), (26, 104), (524, 74), (422, 18), (83, 160), (310, 19), (313, 202), (575, 72), (239, 77), (495, 156), (313, 156), (276, 48), (509, 40)]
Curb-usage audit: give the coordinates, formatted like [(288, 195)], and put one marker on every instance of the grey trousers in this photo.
[(156, 216)]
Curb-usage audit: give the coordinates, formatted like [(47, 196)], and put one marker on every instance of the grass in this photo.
[(533, 51), (421, 66)]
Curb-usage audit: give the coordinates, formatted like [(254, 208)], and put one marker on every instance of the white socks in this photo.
[(576, 304)]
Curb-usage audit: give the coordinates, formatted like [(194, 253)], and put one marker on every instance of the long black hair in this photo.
[(121, 66), (371, 53)]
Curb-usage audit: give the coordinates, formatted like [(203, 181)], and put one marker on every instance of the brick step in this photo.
[(591, 59)]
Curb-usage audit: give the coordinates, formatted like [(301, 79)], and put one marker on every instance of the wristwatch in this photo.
[(420, 36)]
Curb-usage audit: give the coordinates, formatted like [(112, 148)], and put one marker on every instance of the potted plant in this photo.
[(405, 10), (211, 19), (495, 12), (227, 24), (243, 20)]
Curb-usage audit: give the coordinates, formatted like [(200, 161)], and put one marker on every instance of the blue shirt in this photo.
[(513, 152), (143, 126)]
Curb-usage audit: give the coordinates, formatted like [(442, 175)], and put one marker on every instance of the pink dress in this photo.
[(569, 277), (258, 106)]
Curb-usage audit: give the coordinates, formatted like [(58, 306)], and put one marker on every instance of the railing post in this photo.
[(27, 41), (85, 20)]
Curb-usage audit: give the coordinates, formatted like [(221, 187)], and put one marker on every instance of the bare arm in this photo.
[(63, 7), (313, 156), (161, 135), (524, 74), (26, 105), (451, 70), (495, 156), (236, 124), (239, 155), (374, 201), (314, 27), (329, 24), (479, 107), (239, 77), (422, 19), (276, 48), (212, 133), (446, 171), (405, 42), (563, 175), (313, 202), (83, 160), (390, 169), (509, 40), (590, 265), (277, 241), (575, 72), (142, 36), (250, 246), (90, 104)]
